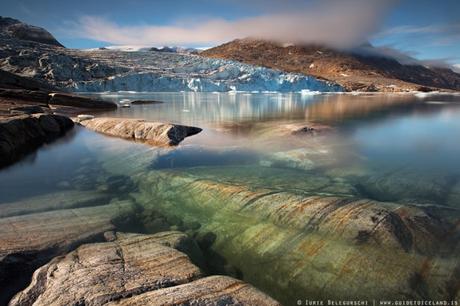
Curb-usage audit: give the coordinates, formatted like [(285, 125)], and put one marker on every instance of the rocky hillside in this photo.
[(353, 70), (150, 70), (107, 70), (12, 28)]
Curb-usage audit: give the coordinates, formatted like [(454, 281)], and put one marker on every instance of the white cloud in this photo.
[(336, 23), (456, 68), (437, 34)]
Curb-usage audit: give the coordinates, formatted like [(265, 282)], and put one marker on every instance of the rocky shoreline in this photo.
[(78, 258), (32, 118)]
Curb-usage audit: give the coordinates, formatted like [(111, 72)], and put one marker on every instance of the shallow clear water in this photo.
[(399, 148)]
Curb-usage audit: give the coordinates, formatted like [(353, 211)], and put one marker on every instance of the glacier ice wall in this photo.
[(113, 70), (174, 72)]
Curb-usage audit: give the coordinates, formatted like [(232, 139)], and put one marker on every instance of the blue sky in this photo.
[(427, 30)]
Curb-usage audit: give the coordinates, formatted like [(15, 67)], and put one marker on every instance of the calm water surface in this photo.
[(373, 138), (400, 148)]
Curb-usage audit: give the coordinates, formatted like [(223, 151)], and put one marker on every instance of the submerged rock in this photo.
[(453, 199), (322, 247), (154, 133), (53, 201), (133, 269), (405, 185), (22, 134)]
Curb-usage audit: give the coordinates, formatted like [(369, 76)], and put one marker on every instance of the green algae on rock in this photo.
[(316, 246)]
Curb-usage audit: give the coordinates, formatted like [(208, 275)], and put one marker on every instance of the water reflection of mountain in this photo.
[(204, 109), (346, 108)]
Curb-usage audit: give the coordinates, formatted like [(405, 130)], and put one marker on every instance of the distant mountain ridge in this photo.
[(134, 48), (171, 69), (12, 28), (353, 70)]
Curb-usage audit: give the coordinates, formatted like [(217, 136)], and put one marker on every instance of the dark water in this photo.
[(400, 148)]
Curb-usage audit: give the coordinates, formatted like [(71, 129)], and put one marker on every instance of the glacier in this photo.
[(178, 72), (147, 71)]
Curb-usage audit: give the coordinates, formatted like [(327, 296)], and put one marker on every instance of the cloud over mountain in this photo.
[(334, 23)]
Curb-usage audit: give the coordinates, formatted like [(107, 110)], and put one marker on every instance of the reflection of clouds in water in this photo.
[(212, 108)]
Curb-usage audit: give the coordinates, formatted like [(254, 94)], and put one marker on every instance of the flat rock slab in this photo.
[(133, 269), (53, 201), (212, 290), (154, 133), (56, 229), (64, 99), (38, 97), (28, 241), (95, 274), (22, 134), (143, 102)]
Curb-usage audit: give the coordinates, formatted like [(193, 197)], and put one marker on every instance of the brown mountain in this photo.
[(362, 71)]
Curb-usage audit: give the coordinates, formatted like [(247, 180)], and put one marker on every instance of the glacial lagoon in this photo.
[(305, 196)]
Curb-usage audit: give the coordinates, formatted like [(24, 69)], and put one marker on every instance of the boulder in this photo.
[(133, 269), (95, 274), (64, 99), (153, 133), (20, 135), (29, 241)]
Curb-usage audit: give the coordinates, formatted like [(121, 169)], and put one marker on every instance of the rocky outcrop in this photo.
[(14, 81), (13, 28), (133, 269), (95, 274), (64, 99), (56, 102), (22, 134), (212, 290), (362, 69), (154, 133), (37, 97), (323, 247), (28, 241)]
